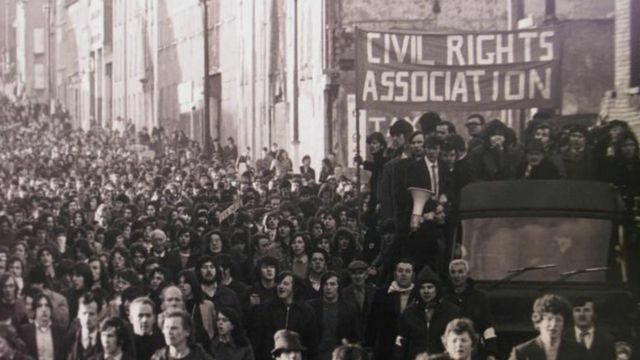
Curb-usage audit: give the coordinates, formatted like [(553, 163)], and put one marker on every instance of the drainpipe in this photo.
[(296, 90)]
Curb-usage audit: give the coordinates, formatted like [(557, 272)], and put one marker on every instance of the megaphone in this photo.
[(420, 197)]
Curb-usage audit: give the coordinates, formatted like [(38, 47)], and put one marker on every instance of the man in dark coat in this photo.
[(389, 303), (337, 319), (578, 158), (43, 332), (550, 313), (212, 290), (423, 242), (423, 323), (83, 342), (429, 171), (496, 158), (400, 132), (116, 341), (184, 257), (474, 305), (600, 344), (147, 337), (284, 312), (359, 293), (537, 166)]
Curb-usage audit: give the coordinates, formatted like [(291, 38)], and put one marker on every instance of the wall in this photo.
[(420, 15), (587, 64), (571, 9), (180, 66), (262, 96), (7, 45), (623, 101), (130, 62), (31, 32)]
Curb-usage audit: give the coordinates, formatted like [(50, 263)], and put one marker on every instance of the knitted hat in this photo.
[(428, 276)]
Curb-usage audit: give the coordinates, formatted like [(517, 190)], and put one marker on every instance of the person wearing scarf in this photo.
[(423, 322), (387, 304)]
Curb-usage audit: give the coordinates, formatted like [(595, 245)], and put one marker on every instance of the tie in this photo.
[(583, 338), (434, 179)]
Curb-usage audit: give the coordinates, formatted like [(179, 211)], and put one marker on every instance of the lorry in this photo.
[(526, 238)]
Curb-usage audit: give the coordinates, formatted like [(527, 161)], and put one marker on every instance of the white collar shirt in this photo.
[(44, 342), (588, 336)]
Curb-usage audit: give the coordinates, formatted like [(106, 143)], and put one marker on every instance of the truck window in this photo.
[(496, 245)]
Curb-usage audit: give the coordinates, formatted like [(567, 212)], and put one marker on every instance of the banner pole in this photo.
[(357, 77)]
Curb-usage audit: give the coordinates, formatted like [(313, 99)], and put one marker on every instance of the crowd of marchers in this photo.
[(112, 250)]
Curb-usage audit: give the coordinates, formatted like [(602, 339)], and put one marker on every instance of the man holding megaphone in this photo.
[(428, 182)]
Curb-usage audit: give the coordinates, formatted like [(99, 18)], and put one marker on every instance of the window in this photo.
[(498, 246), (38, 41), (40, 77)]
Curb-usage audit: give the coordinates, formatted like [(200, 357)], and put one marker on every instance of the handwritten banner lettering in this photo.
[(400, 71)]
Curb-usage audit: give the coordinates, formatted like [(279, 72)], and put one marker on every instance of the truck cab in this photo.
[(530, 237)]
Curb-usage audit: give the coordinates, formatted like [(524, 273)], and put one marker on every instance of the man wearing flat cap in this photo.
[(360, 292)]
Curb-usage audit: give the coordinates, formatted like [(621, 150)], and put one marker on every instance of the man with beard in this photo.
[(220, 295), (284, 312), (182, 257), (146, 335)]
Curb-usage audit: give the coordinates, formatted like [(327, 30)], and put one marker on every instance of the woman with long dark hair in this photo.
[(202, 310), (119, 260), (12, 310), (284, 237), (214, 243), (296, 259), (344, 245), (231, 343)]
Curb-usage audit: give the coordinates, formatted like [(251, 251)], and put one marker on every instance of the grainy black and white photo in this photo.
[(319, 180)]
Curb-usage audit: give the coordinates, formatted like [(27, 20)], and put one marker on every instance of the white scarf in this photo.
[(394, 287)]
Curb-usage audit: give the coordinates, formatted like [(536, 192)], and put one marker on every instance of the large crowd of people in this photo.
[(143, 245)]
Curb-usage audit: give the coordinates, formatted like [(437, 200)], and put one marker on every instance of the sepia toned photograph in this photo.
[(319, 180)]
